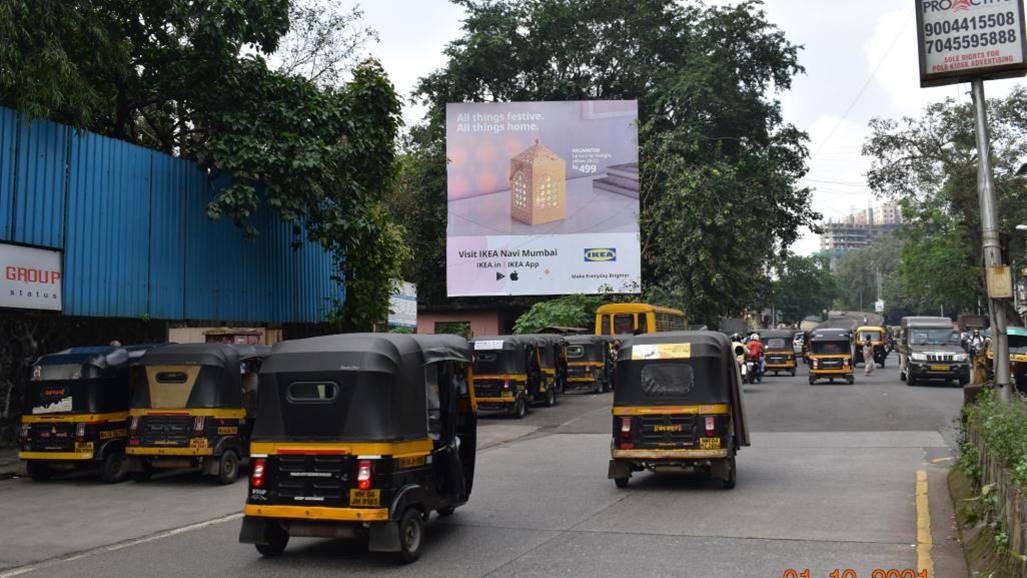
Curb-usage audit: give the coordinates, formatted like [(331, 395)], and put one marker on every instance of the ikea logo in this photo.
[(600, 255)]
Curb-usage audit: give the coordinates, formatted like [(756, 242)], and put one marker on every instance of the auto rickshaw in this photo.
[(677, 406), (778, 351), (1017, 337), (76, 412), (878, 338), (552, 350), (590, 360), (193, 406), (361, 435), (831, 355), (507, 374)]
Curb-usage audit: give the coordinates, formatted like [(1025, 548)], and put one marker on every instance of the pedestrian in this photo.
[(868, 357)]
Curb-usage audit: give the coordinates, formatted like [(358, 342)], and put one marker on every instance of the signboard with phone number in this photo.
[(960, 40)]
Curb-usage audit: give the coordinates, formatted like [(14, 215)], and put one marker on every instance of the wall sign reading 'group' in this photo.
[(965, 39), (30, 278)]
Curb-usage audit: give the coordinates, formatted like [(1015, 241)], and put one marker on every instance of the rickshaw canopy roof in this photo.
[(776, 334), (213, 354), (382, 352)]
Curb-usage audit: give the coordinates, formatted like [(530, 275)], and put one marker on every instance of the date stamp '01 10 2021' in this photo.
[(850, 573)]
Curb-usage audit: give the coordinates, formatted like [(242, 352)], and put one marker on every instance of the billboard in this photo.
[(960, 40), (403, 305), (31, 278), (543, 198)]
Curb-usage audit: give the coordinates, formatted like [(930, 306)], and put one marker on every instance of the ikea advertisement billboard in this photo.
[(543, 198)]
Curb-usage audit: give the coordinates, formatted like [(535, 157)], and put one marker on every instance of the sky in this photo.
[(860, 60)]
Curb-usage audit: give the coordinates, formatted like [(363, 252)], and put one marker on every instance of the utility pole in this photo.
[(990, 238)]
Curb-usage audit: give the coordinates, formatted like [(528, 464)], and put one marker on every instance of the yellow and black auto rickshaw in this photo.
[(779, 352), (878, 338), (830, 355), (507, 374), (193, 406), (76, 412), (361, 435), (677, 406), (590, 362), (1017, 337)]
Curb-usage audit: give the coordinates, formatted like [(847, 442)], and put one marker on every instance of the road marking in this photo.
[(940, 460), (119, 546), (924, 562)]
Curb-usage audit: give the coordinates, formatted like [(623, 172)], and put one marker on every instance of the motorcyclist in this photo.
[(976, 344), (755, 347)]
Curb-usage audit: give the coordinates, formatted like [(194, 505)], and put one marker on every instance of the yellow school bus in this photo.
[(636, 318)]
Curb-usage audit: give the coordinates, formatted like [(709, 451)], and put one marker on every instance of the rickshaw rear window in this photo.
[(61, 371), (485, 356), (623, 324), (667, 379), (172, 377), (831, 347), (575, 351), (312, 391), (776, 343), (871, 335)]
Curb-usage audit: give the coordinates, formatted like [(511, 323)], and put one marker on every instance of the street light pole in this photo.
[(990, 238)]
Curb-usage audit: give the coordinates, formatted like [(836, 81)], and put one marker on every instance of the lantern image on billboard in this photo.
[(538, 186)]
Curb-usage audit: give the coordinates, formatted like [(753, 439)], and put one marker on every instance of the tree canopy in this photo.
[(191, 78), (929, 163), (803, 286), (719, 166)]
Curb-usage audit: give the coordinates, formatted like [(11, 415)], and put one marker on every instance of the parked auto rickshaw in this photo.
[(778, 351), (361, 435), (590, 361), (76, 412), (552, 350), (830, 355), (677, 406), (507, 375), (878, 338), (193, 406), (1017, 337)]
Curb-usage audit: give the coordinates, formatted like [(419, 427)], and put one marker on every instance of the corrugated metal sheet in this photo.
[(136, 237), (38, 208), (8, 143)]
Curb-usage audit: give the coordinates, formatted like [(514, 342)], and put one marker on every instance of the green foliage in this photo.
[(803, 286), (858, 270), (718, 164), (1003, 426), (189, 77), (929, 163), (569, 311)]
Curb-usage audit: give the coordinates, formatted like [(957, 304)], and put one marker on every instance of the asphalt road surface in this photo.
[(830, 482)]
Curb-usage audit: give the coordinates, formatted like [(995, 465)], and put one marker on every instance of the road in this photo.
[(830, 482)]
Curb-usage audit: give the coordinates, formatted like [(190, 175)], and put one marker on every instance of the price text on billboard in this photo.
[(960, 40)]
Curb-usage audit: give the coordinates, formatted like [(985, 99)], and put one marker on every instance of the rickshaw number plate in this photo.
[(227, 430), (198, 443), (939, 368), (709, 443), (364, 497), (81, 447)]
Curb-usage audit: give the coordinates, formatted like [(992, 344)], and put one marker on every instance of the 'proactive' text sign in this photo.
[(960, 40)]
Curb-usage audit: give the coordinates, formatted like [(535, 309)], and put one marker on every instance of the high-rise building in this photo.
[(858, 230)]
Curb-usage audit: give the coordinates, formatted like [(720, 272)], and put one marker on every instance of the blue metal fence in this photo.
[(136, 239)]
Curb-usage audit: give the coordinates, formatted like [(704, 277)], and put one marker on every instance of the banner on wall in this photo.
[(543, 198), (31, 278)]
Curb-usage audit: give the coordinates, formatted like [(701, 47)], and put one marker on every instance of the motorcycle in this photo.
[(753, 369)]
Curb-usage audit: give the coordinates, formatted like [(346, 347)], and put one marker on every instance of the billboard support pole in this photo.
[(990, 238)]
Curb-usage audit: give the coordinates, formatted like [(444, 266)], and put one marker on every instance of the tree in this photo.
[(718, 163), (803, 286), (189, 77), (930, 164), (859, 271), (569, 311)]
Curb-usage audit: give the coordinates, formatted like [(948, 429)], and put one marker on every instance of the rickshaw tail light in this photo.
[(257, 479), (506, 384), (710, 425), (625, 426), (364, 475), (198, 423)]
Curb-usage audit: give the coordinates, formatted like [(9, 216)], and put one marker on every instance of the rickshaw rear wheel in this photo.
[(812, 379), (112, 470), (599, 388), (446, 512), (550, 397), (38, 471), (621, 482), (850, 379), (228, 468), (728, 482), (411, 535), (278, 539), (793, 372)]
